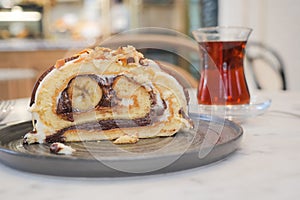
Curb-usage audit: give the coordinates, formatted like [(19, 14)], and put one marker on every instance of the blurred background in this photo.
[(35, 33)]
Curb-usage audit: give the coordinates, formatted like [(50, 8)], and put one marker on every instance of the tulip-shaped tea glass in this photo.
[(222, 51)]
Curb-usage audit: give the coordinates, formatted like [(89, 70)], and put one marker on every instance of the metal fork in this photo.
[(5, 108)]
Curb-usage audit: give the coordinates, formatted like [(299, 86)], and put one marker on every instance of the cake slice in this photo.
[(104, 94)]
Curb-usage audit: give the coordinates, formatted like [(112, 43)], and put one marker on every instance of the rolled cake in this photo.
[(104, 94)]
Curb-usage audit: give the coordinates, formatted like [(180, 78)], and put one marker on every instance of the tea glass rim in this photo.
[(210, 28), (222, 33)]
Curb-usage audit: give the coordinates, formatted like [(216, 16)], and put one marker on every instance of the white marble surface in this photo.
[(267, 166)]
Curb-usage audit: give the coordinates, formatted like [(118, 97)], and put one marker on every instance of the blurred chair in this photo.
[(266, 66), (184, 77)]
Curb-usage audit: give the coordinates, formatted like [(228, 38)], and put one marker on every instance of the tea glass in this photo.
[(222, 52)]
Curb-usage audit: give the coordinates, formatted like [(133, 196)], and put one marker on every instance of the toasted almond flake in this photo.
[(59, 63), (76, 55), (123, 61), (85, 51), (127, 139)]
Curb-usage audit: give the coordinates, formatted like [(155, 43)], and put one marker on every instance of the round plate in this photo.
[(238, 113), (211, 140)]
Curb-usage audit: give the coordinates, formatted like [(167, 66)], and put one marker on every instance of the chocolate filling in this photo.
[(64, 106), (130, 60), (103, 125), (109, 98)]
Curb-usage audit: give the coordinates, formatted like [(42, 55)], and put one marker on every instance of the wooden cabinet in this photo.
[(19, 70)]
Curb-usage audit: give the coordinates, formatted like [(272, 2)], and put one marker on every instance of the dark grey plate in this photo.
[(211, 140)]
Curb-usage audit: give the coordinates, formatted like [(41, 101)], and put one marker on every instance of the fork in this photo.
[(5, 108)]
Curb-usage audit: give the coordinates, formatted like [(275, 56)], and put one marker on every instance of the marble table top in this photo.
[(266, 166)]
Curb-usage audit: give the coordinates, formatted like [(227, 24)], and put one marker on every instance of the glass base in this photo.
[(238, 113)]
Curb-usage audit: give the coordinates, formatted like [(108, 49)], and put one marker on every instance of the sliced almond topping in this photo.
[(85, 51), (59, 63), (127, 139), (76, 55), (122, 61)]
